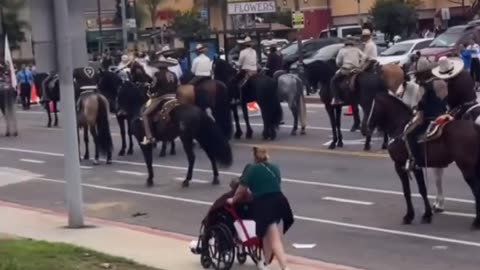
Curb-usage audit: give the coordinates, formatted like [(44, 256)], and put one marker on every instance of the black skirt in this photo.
[(271, 208)]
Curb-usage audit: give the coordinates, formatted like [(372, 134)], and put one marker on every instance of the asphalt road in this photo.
[(347, 202)]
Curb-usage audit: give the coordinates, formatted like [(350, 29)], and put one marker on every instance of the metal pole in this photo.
[(100, 27), (299, 37), (124, 25), (72, 163)]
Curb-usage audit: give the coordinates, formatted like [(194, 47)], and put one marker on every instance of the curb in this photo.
[(301, 261)]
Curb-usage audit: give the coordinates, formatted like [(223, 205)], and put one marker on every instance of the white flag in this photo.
[(9, 61)]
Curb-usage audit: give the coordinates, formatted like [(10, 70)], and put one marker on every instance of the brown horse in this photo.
[(458, 141), (92, 115)]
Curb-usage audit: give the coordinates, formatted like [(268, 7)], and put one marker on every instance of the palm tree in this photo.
[(10, 23)]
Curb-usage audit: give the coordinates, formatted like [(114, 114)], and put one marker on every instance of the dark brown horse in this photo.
[(459, 142)]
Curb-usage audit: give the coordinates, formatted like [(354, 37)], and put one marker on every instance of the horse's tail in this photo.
[(221, 112), (271, 104), (105, 143), (212, 140)]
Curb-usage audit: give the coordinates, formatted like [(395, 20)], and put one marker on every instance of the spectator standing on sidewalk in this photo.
[(474, 49), (25, 81)]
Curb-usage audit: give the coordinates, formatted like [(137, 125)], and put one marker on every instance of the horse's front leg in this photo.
[(338, 125), (172, 148), (439, 205), (94, 133), (331, 116), (368, 142), (422, 189), (121, 125), (163, 151), (247, 120), (295, 113), (49, 114), (385, 141), (85, 141), (407, 193), (130, 135), (55, 113), (188, 147), (147, 151), (238, 128), (356, 118)]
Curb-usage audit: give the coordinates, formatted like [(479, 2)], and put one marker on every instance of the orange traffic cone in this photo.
[(33, 95), (252, 107), (349, 111)]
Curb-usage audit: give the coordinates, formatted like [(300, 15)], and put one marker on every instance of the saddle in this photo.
[(351, 78), (435, 129), (163, 115)]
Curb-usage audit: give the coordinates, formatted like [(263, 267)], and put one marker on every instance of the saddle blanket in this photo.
[(435, 129)]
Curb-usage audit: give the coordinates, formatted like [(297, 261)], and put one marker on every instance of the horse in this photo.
[(259, 88), (186, 121), (92, 114), (8, 96), (49, 92), (459, 142), (320, 73)]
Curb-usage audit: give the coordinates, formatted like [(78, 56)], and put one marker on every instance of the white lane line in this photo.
[(291, 126), (181, 179), (35, 161), (335, 199), (86, 167), (229, 173), (458, 214), (131, 173), (303, 218)]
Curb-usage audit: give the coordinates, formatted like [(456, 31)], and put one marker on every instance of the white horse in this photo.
[(411, 93)]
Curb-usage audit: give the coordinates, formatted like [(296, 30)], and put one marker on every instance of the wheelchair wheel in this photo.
[(241, 255), (219, 246), (256, 254)]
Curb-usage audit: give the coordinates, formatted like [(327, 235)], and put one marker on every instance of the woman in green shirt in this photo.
[(262, 179)]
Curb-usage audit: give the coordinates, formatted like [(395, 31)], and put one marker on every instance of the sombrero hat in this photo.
[(245, 41), (448, 68), (165, 62), (166, 51), (423, 65), (200, 48)]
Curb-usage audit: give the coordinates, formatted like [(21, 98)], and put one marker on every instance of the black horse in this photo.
[(48, 89), (259, 88), (184, 120), (320, 73)]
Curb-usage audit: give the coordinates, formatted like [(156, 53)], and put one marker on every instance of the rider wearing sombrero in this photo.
[(429, 108), (201, 65), (461, 85), (164, 83), (349, 58), (247, 61)]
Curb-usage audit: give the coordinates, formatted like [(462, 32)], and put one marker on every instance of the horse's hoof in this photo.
[(293, 133), (437, 209), (121, 153), (476, 224), (96, 162), (427, 218), (215, 181), (384, 146), (15, 134), (332, 146), (7, 134), (162, 154), (340, 144), (173, 153), (367, 148), (109, 162), (55, 125), (49, 125), (238, 135), (303, 132), (407, 220), (86, 157), (249, 135), (130, 152), (185, 183), (149, 183), (354, 128)]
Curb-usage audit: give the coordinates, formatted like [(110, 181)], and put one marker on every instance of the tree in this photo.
[(282, 17), (394, 17), (12, 25), (188, 24)]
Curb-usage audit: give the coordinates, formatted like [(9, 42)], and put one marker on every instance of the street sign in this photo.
[(252, 7), (298, 19), (132, 23), (445, 14)]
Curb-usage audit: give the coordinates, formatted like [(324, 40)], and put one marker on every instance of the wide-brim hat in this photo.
[(245, 41), (366, 32), (165, 63), (166, 51), (448, 68), (200, 48), (423, 65), (350, 40)]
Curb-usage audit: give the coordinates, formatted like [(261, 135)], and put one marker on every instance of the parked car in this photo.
[(341, 31), (308, 49), (326, 53), (401, 51), (446, 44)]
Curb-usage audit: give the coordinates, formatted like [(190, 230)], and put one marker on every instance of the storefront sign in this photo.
[(252, 7)]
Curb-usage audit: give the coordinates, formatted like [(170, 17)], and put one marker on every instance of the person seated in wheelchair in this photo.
[(269, 205)]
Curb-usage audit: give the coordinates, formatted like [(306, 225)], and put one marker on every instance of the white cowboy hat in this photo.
[(247, 40), (366, 32), (423, 65), (448, 67), (200, 47), (166, 62), (165, 50)]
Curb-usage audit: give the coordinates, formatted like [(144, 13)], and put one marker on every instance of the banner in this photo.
[(9, 62)]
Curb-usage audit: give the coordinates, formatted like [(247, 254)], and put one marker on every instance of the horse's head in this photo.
[(222, 70)]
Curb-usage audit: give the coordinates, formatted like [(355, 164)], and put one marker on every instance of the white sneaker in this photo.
[(261, 265)]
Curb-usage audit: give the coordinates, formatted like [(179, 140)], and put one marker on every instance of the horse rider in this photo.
[(201, 65), (461, 86), (247, 61), (370, 49), (430, 106), (123, 68), (349, 59), (167, 54), (163, 87), (274, 61)]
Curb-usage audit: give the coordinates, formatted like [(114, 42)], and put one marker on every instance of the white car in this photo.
[(400, 52)]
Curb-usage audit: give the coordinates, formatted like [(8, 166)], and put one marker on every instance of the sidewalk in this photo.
[(163, 250)]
